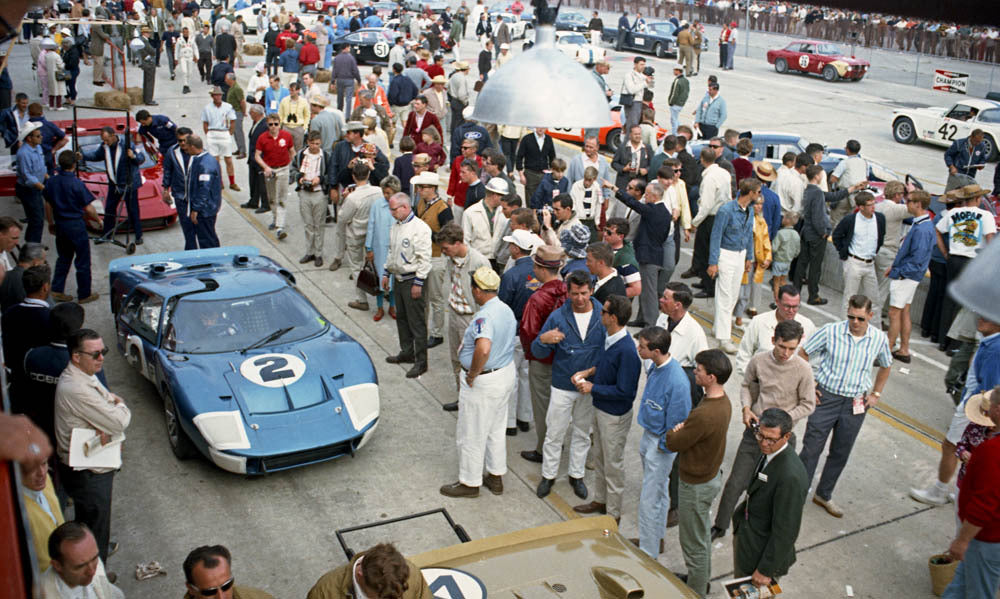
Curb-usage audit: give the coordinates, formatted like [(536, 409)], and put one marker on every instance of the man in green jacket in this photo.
[(766, 524), (377, 573), (680, 87)]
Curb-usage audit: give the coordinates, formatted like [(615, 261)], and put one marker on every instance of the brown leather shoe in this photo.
[(90, 298), (827, 504), (457, 489), (591, 508), (494, 483), (234, 187)]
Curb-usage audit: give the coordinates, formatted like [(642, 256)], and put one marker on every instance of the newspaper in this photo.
[(742, 588), (86, 450)]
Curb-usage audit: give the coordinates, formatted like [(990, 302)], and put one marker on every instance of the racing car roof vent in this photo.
[(241, 260), (617, 583), (158, 269), (210, 284)]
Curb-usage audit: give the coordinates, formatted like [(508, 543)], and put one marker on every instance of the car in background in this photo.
[(570, 42), (818, 58), (435, 6), (519, 25), (659, 38), (571, 21), (609, 137), (85, 135), (251, 375), (942, 126), (369, 45), (318, 6)]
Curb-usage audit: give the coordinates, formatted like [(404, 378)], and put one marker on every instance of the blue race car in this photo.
[(659, 38), (251, 374)]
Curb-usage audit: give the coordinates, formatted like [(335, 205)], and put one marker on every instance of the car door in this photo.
[(138, 330), (805, 59), (954, 124)]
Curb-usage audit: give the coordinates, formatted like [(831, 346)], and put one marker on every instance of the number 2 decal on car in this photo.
[(948, 131), (273, 370)]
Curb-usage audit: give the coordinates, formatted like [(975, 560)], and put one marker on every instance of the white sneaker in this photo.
[(728, 346), (932, 495)]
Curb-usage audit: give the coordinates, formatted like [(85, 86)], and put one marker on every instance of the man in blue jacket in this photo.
[(176, 162), (730, 255), (122, 166), (157, 128), (967, 156), (666, 402), (907, 270), (651, 235), (612, 383), (204, 192), (575, 333), (69, 201)]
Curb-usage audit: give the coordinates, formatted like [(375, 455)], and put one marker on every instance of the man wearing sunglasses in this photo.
[(208, 573), (83, 402)]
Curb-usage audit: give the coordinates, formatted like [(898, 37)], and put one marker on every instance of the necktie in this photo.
[(760, 466)]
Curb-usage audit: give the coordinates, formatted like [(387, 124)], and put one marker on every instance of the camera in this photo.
[(649, 71)]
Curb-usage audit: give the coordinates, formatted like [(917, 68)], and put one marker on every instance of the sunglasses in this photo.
[(215, 590), (716, 147), (857, 318), (767, 440), (95, 354), (274, 124)]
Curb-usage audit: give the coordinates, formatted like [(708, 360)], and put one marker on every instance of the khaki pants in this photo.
[(859, 277), (540, 382), (457, 323), (610, 434), (277, 192), (437, 290), (354, 260), (883, 260), (686, 57), (312, 209), (298, 136)]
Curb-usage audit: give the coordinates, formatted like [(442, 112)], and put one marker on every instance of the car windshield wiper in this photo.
[(266, 340)]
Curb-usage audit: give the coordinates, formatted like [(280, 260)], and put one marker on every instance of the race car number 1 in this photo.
[(273, 370)]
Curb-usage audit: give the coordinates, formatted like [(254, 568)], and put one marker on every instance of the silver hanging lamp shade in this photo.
[(543, 87), (978, 287)]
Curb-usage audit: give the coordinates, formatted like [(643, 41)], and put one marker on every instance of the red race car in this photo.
[(153, 212), (320, 6), (609, 137), (819, 58)]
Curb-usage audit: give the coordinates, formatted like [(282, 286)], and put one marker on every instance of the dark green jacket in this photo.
[(766, 524), (679, 90)]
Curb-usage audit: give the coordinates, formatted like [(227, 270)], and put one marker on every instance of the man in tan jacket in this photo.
[(376, 573)]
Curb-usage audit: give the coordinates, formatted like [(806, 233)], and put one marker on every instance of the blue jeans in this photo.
[(654, 499), (978, 575), (675, 118)]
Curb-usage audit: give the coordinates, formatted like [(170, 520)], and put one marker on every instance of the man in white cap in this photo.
[(487, 359), (484, 222), (516, 286), (504, 56), (680, 88)]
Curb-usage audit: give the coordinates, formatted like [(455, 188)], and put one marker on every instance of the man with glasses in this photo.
[(83, 402), (858, 239), (208, 573), (274, 152), (844, 353), (76, 568), (758, 334), (766, 524)]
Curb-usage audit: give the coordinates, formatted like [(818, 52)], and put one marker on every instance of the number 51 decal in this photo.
[(948, 131)]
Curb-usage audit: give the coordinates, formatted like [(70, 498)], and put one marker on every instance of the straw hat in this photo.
[(977, 409)]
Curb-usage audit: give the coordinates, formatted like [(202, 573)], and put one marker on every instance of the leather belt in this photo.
[(865, 260), (483, 371)]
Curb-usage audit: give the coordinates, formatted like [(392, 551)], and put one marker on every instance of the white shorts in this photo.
[(958, 423), (219, 144), (901, 292)]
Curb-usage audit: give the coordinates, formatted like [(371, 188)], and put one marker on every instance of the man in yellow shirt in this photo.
[(294, 113), (44, 514)]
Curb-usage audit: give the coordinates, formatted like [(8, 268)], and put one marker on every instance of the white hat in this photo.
[(505, 46), (426, 178), (260, 67), (498, 186), (467, 112), (678, 67), (48, 43), (28, 128), (65, 31), (521, 238)]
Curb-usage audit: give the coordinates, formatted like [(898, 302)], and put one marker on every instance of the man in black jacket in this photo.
[(600, 263), (534, 154), (25, 324), (858, 238), (654, 225), (258, 192)]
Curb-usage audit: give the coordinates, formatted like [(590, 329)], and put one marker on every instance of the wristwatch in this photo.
[(876, 394)]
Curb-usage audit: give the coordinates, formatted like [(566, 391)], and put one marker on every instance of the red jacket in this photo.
[(541, 303), (979, 501), (435, 151), (309, 54), (433, 70), (457, 187), (430, 120), (285, 35)]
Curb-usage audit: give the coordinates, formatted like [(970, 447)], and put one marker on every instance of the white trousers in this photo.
[(519, 402), (727, 290), (480, 433), (186, 65), (566, 409), (859, 277)]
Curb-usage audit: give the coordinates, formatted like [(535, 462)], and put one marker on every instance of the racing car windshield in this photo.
[(828, 50), (573, 17), (91, 143), (200, 326)]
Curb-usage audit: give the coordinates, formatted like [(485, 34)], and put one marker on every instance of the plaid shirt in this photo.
[(845, 362), (457, 299)]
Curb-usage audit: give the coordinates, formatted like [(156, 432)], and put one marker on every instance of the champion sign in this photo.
[(950, 81)]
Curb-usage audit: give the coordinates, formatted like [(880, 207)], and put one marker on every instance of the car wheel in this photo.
[(613, 139), (991, 148), (781, 65), (903, 131), (180, 443), (658, 51), (829, 73)]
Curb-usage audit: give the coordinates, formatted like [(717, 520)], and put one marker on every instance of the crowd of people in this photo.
[(550, 281)]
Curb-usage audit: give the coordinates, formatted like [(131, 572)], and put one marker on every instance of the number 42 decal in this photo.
[(948, 131)]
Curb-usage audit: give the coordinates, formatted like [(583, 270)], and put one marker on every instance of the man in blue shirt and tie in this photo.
[(730, 255), (203, 191), (69, 203), (176, 163), (31, 176)]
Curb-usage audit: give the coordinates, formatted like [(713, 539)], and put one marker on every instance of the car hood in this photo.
[(848, 59)]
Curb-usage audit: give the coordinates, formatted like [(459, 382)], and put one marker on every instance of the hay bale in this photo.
[(253, 49), (322, 76), (135, 94), (112, 99)]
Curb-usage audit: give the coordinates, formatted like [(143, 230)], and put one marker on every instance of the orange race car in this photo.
[(609, 137)]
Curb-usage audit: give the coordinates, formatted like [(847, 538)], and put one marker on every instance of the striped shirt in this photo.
[(845, 361)]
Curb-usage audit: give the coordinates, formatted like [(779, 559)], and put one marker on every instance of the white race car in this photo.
[(570, 42), (942, 126)]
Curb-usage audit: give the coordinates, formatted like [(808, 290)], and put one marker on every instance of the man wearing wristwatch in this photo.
[(844, 353)]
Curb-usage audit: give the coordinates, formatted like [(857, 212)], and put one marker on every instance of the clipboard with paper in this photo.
[(86, 450)]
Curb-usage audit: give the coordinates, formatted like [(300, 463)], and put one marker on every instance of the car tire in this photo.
[(180, 443), (903, 130), (991, 148), (658, 50), (830, 73), (781, 65), (613, 139)]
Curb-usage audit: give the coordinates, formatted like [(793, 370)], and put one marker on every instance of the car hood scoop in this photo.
[(308, 390)]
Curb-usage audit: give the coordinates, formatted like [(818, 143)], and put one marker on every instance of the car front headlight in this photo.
[(223, 430), (362, 403)]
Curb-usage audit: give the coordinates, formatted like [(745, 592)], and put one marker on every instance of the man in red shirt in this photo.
[(978, 541), (309, 55), (548, 259), (286, 34), (420, 118), (274, 153), (457, 187), (437, 67)]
